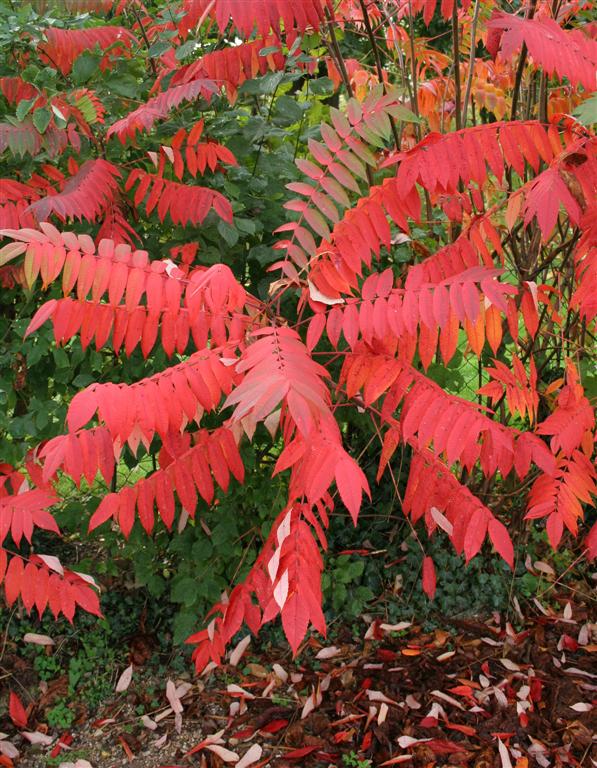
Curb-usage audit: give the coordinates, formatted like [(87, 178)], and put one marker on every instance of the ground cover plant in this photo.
[(272, 268)]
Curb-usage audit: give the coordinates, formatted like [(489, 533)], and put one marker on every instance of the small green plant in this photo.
[(60, 717), (352, 760), (73, 756)]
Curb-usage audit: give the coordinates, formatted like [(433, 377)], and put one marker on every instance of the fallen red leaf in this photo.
[(462, 690), (63, 741), (468, 730), (127, 750), (296, 754), (246, 733), (428, 722), (366, 743), (443, 746), (343, 736), (16, 710), (274, 726)]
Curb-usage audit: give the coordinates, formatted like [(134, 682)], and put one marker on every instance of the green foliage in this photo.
[(352, 760)]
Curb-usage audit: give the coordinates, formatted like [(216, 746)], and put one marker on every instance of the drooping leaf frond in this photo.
[(184, 204), (229, 67), (214, 456), (63, 46), (261, 15), (42, 582), (567, 53), (144, 117), (85, 195)]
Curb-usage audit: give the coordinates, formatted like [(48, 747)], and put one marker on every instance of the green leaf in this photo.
[(263, 255), (184, 625), (124, 84), (24, 107), (186, 49), (321, 86), (402, 113), (269, 49), (41, 119), (586, 113), (85, 66), (228, 233), (30, 73), (287, 111), (157, 49), (184, 591)]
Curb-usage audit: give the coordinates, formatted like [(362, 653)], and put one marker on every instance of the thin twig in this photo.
[(471, 63), (520, 68), (152, 63), (457, 86)]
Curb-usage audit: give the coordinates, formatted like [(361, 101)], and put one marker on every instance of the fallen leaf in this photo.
[(296, 754), (252, 755), (274, 726), (504, 755), (35, 737), (238, 650), (510, 665), (124, 680), (8, 749), (224, 754), (327, 653), (32, 637), (16, 711), (581, 706), (173, 699)]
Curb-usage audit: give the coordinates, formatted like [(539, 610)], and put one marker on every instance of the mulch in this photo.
[(476, 695)]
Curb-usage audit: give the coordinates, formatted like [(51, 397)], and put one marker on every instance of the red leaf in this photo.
[(296, 754), (16, 710), (501, 540), (429, 577)]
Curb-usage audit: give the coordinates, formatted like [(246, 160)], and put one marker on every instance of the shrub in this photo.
[(292, 264)]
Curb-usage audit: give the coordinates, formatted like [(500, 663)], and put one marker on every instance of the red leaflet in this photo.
[(573, 420), (189, 472), (501, 540), (560, 497), (429, 578), (21, 513), (297, 754), (545, 197), (228, 67), (16, 710)]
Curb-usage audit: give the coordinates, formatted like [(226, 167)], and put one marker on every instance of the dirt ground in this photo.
[(475, 694)]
